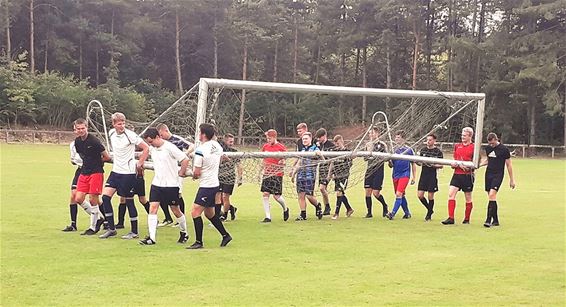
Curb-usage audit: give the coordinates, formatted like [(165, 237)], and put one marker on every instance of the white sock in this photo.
[(281, 201), (94, 217), (182, 223), (266, 207), (87, 207), (152, 225)]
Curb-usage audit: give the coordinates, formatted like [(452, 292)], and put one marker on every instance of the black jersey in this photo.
[(90, 150), (300, 145), (375, 163), (227, 169), (496, 157), (180, 142), (324, 165), (434, 152), (341, 165)]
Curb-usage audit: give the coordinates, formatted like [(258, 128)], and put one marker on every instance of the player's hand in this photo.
[(239, 181), (454, 165), (182, 175), (512, 184)]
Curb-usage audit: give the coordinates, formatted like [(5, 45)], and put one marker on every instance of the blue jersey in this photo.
[(402, 168), (307, 171), (180, 142)]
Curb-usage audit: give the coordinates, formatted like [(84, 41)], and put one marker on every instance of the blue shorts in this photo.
[(374, 180), (206, 197), (139, 189), (164, 195), (124, 184), (305, 186)]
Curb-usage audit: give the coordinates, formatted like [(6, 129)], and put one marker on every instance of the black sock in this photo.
[(133, 212), (424, 202), (383, 203), (73, 209), (108, 211), (215, 220), (494, 215), (304, 214), (338, 204), (197, 221), (165, 208), (218, 210), (146, 207), (368, 204), (431, 206), (232, 210), (326, 206), (182, 204), (121, 213), (346, 202)]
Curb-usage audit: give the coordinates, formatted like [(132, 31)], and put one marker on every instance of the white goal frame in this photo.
[(211, 83)]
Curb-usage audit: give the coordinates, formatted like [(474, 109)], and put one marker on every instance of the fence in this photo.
[(65, 137)]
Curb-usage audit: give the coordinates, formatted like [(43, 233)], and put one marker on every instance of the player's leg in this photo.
[(493, 201), (215, 220), (154, 204), (112, 184), (338, 205), (73, 210), (323, 187), (218, 204), (398, 200), (342, 186), (133, 214), (196, 214), (140, 192), (368, 192), (182, 220), (302, 205), (266, 207), (92, 185), (377, 186), (402, 187), (145, 203), (430, 206), (452, 191), (469, 207), (121, 213), (281, 201), (309, 194)]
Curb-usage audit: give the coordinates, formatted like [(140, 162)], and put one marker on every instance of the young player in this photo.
[(206, 164), (139, 190), (122, 179), (428, 181), (165, 184), (230, 173), (272, 176), (373, 182), (305, 171), (301, 129), (498, 156), (463, 178), (339, 169), (184, 146), (324, 145), (93, 154), (403, 173)]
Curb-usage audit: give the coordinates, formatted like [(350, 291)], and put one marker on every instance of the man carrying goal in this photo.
[(339, 169), (272, 176), (305, 173), (324, 144), (230, 173), (373, 182), (428, 181)]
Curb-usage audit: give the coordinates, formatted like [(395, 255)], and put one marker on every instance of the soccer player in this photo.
[(339, 169), (463, 178), (185, 146), (498, 156), (122, 179), (305, 171), (428, 181), (324, 145), (206, 164), (301, 129), (272, 176), (165, 184), (139, 190), (93, 155), (373, 182), (230, 173), (403, 172)]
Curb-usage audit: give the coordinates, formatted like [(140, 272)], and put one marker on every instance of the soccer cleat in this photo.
[(319, 213), (233, 211), (183, 237), (486, 225), (427, 218), (70, 228), (349, 212), (108, 233), (286, 215), (99, 223), (390, 216), (130, 235), (495, 224), (175, 225), (300, 218), (407, 216), (466, 222), (88, 232), (225, 240), (119, 226), (196, 245), (165, 223), (368, 216), (224, 216), (105, 225), (266, 220), (335, 216), (448, 221), (147, 241), (326, 210), (384, 212)]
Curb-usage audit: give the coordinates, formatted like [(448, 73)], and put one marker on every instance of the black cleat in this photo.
[(183, 237), (427, 218), (319, 213), (223, 217), (368, 216), (70, 228), (147, 241), (266, 220), (448, 221), (225, 240), (88, 232), (486, 225), (286, 215), (495, 224), (326, 210), (99, 223), (119, 226), (384, 212), (466, 222), (300, 218), (233, 211), (390, 216), (406, 216), (196, 245)]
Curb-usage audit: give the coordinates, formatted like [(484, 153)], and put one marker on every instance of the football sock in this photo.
[(94, 217), (266, 207), (383, 203), (73, 212), (494, 215), (346, 202), (218, 209), (398, 202), (215, 220), (182, 204), (338, 204), (430, 205), (304, 214), (368, 204), (469, 207), (424, 202), (108, 212), (152, 225), (121, 213), (451, 208), (165, 208), (182, 223), (86, 206), (405, 205), (133, 212), (197, 222), (146, 207), (281, 202)]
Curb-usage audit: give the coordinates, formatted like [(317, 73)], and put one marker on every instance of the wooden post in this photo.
[(523, 151), (33, 137), (58, 137), (552, 151), (7, 135)]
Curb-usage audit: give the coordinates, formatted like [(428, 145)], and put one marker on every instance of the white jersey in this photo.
[(166, 160), (124, 150), (207, 157), (75, 158)]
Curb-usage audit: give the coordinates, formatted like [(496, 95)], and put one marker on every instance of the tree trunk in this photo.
[(46, 54), (177, 54), (357, 65), (388, 75), (317, 63), (243, 100), (480, 34), (31, 38), (449, 45), (364, 84), (564, 115), (215, 40), (342, 82), (8, 39), (275, 60), (295, 56), (417, 33), (81, 57), (532, 122), (97, 56), (429, 34)]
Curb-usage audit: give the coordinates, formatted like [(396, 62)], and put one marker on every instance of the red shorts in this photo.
[(91, 184), (400, 184)]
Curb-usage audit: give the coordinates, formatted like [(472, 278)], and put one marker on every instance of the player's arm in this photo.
[(295, 170), (413, 172), (184, 166), (330, 170), (105, 156), (145, 153), (240, 173), (510, 171)]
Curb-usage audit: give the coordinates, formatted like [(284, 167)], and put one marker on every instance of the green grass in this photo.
[(346, 262)]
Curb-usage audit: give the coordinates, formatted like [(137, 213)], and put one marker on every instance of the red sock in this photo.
[(451, 208), (469, 207)]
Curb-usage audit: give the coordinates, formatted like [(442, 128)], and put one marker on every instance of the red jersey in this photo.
[(463, 153), (272, 166)]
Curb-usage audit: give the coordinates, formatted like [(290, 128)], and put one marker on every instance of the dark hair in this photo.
[(400, 133), (492, 136), (151, 133), (338, 137), (228, 136), (432, 135), (207, 130), (80, 121), (320, 132)]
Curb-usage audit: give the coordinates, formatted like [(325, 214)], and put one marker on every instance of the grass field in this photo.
[(351, 261)]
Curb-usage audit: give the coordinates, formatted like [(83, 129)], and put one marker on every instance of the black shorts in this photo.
[(493, 181), (226, 188), (272, 185), (305, 186), (75, 179), (139, 189), (206, 197), (464, 182), (164, 195), (323, 181), (340, 184), (428, 183), (124, 184), (374, 181)]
